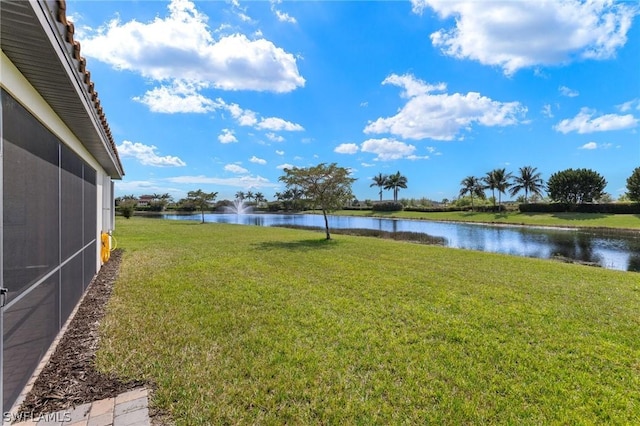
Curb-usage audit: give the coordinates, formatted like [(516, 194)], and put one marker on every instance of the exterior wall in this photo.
[(54, 206), (15, 84)]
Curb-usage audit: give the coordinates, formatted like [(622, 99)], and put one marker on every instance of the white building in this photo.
[(57, 162)]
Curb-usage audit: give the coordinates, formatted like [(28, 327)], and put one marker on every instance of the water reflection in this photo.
[(613, 250)]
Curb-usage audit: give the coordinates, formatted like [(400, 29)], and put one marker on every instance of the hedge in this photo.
[(609, 208), (387, 206)]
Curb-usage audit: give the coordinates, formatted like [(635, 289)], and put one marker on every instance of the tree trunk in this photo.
[(202, 211), (326, 224)]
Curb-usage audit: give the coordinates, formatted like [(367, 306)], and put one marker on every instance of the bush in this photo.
[(275, 206), (127, 209), (436, 209), (608, 208), (387, 206)]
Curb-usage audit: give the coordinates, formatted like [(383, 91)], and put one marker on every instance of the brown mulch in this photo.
[(70, 378)]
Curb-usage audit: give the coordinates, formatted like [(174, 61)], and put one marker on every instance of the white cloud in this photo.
[(585, 122), (138, 187), (279, 152), (147, 156), (278, 124), (546, 110), (246, 117), (630, 105), (284, 166), (282, 16), (246, 181), (565, 91), (227, 136), (273, 137), (257, 160), (234, 168), (589, 145), (178, 97), (181, 46), (522, 34), (594, 145), (388, 149), (441, 116), (346, 148), (367, 165)]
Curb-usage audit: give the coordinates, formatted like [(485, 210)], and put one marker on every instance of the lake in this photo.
[(611, 249)]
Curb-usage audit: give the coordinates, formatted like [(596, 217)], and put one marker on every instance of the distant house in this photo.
[(57, 163), (145, 200)]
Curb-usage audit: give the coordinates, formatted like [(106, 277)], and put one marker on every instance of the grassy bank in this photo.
[(251, 325), (597, 220)]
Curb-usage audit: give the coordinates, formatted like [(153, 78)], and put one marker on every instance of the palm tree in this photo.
[(473, 186), (240, 195), (502, 181), (529, 181), (249, 196), (395, 182), (259, 197), (379, 181), (497, 179), (491, 183)]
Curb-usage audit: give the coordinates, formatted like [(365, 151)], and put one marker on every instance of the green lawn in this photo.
[(251, 325), (625, 221)]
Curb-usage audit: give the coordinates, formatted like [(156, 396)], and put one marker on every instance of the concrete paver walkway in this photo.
[(127, 409)]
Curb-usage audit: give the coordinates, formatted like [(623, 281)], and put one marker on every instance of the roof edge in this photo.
[(85, 76)]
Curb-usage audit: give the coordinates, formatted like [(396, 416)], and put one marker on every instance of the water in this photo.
[(609, 249)]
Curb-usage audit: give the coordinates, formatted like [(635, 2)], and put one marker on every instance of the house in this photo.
[(58, 162)]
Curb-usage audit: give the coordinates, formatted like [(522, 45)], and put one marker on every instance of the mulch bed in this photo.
[(70, 379)]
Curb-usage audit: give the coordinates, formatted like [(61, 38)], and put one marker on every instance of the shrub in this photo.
[(127, 208), (607, 208), (387, 206)]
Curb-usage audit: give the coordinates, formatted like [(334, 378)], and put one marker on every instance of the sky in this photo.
[(223, 95)]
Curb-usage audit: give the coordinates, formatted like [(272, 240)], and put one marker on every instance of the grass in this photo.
[(251, 325), (598, 220)]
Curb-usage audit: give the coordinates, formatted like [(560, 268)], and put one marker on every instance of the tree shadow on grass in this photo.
[(580, 216), (300, 245)]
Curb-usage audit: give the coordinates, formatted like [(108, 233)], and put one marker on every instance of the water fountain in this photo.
[(238, 207)]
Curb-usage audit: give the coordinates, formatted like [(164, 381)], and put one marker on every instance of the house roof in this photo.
[(38, 38)]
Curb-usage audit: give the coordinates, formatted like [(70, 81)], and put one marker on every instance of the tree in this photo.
[(473, 186), (380, 180), (128, 205), (576, 186), (328, 187), (201, 199), (529, 180), (395, 182), (497, 179), (490, 183), (240, 195), (249, 195), (633, 185), (159, 202), (259, 197), (502, 180)]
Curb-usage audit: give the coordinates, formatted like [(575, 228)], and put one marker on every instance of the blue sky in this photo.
[(221, 96)]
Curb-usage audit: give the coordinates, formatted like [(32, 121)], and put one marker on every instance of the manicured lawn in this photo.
[(251, 325), (628, 221)]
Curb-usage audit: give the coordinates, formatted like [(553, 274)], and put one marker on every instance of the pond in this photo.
[(610, 249)]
